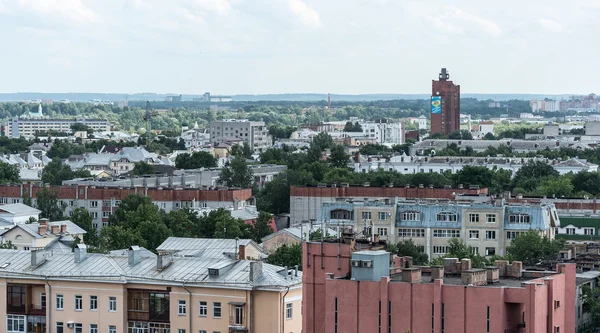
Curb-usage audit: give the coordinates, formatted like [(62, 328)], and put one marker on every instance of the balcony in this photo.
[(148, 306), (237, 321), (37, 310), (16, 309)]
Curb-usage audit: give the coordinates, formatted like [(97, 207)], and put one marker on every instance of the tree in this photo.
[(64, 149), (80, 127), (559, 187), (49, 205), (236, 173), (489, 136), (457, 248), (460, 135), (8, 245), (322, 141), (409, 248), (530, 175), (143, 168), (56, 172), (9, 174), (338, 157), (275, 196), (287, 256), (474, 175), (184, 223), (531, 247), (82, 218), (373, 149), (350, 127), (261, 227), (116, 237), (243, 150), (200, 159), (591, 305), (585, 181), (229, 227)]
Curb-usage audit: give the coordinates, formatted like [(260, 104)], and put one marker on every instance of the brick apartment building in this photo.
[(306, 201), (101, 202), (445, 118), (355, 292)]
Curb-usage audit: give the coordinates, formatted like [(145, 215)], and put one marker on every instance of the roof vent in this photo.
[(38, 257), (134, 255), (80, 253)]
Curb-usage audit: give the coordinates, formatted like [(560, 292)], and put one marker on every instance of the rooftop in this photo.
[(18, 209)]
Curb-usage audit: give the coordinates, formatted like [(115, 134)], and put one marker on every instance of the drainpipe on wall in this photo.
[(190, 301), (283, 309), (49, 306), (251, 315)]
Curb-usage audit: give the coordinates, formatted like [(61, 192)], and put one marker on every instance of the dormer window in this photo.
[(410, 216), (519, 218), (446, 217)]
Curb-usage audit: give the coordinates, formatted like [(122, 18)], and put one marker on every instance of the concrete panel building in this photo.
[(255, 133), (27, 127)]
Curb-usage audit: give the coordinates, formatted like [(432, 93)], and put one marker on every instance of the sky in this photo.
[(298, 46)]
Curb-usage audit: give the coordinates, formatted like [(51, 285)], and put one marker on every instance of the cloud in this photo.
[(73, 10), (217, 6), (455, 21), (308, 16), (486, 25), (190, 16), (550, 25)]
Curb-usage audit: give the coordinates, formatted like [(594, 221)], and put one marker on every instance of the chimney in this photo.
[(42, 229), (256, 270), (163, 260), (54, 229), (411, 275), (80, 253), (134, 255), (63, 228), (465, 265), (437, 272), (38, 257), (296, 271), (241, 252), (44, 222)]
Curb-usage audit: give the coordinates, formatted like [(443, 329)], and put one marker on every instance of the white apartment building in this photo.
[(24, 127), (384, 132), (255, 133)]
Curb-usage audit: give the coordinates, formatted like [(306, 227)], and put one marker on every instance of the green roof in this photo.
[(578, 237), (580, 222)]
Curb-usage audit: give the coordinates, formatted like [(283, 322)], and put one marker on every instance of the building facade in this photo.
[(385, 131), (445, 118), (255, 133), (355, 292), (140, 292), (27, 127), (487, 227)]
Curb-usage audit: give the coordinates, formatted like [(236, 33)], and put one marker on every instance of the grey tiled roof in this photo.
[(189, 270)]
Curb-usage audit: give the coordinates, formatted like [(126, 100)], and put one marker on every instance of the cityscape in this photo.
[(213, 208)]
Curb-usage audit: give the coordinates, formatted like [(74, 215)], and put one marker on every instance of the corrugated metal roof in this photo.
[(19, 208), (189, 270)]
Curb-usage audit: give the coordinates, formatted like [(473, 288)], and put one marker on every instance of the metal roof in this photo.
[(205, 247), (19, 208), (116, 268)]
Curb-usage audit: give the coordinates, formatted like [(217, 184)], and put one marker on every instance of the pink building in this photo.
[(345, 292)]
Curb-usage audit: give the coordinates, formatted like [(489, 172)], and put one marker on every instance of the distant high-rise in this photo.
[(445, 105)]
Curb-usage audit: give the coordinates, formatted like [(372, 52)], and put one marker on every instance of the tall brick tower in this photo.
[(445, 105)]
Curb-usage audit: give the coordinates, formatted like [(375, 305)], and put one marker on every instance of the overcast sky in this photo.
[(296, 46)]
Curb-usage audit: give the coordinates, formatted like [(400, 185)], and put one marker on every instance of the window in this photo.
[(112, 304), (570, 231), (59, 327), (59, 302), (181, 308), (490, 234), (93, 328), (588, 231), (382, 231), (335, 315), (78, 328), (95, 215), (15, 323), (412, 233), (105, 214), (93, 203), (93, 303), (181, 330), (442, 324), (78, 303), (446, 233), (106, 203), (473, 234), (446, 217), (440, 249), (201, 331), (202, 309), (474, 218), (410, 216), (488, 320), (519, 218), (289, 310), (490, 218), (490, 251), (43, 300), (216, 309), (366, 215), (112, 329), (475, 250), (383, 216)]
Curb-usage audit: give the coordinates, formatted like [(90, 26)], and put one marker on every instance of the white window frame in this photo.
[(112, 304), (94, 302), (93, 328), (446, 217), (382, 231), (473, 218), (487, 252), (570, 231), (411, 233), (60, 302), (410, 216), (289, 311), (588, 231), (366, 215), (112, 329), (215, 307), (18, 320), (473, 232), (382, 216), (490, 218), (202, 308), (43, 300), (489, 233), (181, 307), (78, 303)]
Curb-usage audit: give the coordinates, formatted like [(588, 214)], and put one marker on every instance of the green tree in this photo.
[(287, 256), (559, 187), (531, 247), (261, 227), (9, 174), (530, 175), (115, 237), (489, 136), (586, 181), (82, 218), (49, 205), (591, 305), (80, 127), (409, 248), (322, 141), (474, 175), (64, 148), (55, 172), (208, 222), (374, 149), (460, 135), (350, 127), (275, 196), (236, 173), (243, 150), (229, 227), (8, 245), (200, 159), (143, 168), (338, 157), (184, 223), (457, 248)]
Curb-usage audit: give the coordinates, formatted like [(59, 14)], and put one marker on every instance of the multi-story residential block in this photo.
[(306, 201), (518, 146), (27, 127), (453, 164), (255, 133), (140, 292), (356, 291), (385, 131), (487, 227), (101, 202)]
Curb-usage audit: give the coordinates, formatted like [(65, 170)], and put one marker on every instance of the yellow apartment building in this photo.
[(136, 291)]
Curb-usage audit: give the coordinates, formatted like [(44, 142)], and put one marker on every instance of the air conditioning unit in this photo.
[(355, 263), (70, 324), (367, 263)]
